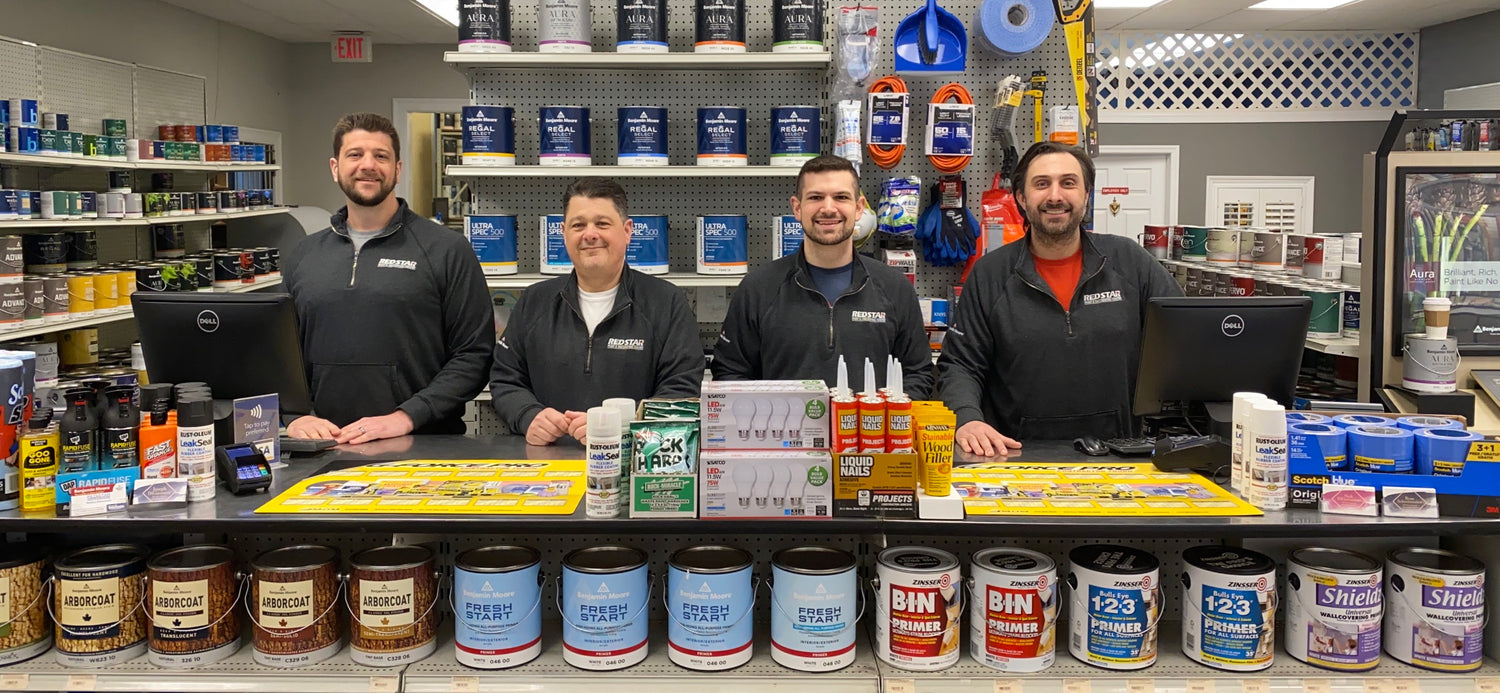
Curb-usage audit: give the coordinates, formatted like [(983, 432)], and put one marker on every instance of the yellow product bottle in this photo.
[(935, 428), (39, 455)]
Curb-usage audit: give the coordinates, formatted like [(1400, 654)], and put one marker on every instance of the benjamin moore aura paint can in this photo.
[(565, 137), (1115, 606), (721, 136), (710, 597), (489, 136), (720, 26), (641, 26), (1434, 609), (642, 136), (1013, 610), (796, 134), (563, 26), (647, 251), (798, 26), (917, 608), (483, 26), (605, 597), (497, 598), (1333, 609), (813, 608), (554, 253), (1229, 608)]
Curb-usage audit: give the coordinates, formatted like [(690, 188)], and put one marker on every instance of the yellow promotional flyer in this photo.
[(1122, 489), (450, 487)]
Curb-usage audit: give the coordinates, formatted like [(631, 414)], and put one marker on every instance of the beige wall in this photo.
[(419, 167)]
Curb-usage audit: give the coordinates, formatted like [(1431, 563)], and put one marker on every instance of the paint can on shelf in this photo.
[(813, 608), (565, 137), (497, 598), (605, 595), (493, 238), (1333, 610), (25, 630), (641, 26), (723, 247), (97, 598), (563, 26), (796, 133), (294, 595), (484, 26), (392, 592), (642, 134), (1115, 606), (918, 604), (721, 136), (554, 253), (1430, 365), (193, 606), (1434, 609), (489, 137), (798, 26), (710, 596), (647, 251), (1014, 598), (719, 26), (1229, 608)]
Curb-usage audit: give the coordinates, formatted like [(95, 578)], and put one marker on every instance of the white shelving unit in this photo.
[(683, 279), (625, 171), (236, 674), (1337, 346), (73, 162), (641, 61), (117, 315), (147, 221)]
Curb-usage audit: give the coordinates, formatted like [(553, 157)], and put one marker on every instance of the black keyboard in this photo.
[(1141, 447)]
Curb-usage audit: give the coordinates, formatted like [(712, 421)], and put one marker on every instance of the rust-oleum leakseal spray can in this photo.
[(195, 446), (78, 432), (120, 426)]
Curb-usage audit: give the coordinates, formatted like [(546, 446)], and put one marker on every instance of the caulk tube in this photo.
[(1266, 475), (626, 407), (1239, 442), (603, 453)]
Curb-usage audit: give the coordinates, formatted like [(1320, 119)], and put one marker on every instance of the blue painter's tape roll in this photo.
[(1355, 420), (1303, 417), (1013, 27), (1442, 451), (1318, 443), (1415, 423), (1384, 449)]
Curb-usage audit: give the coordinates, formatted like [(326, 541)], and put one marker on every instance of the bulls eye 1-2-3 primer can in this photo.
[(1115, 606), (1229, 604)]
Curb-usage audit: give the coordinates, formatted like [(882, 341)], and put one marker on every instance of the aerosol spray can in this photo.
[(195, 446), (626, 407), (1266, 476), (121, 426), (603, 500), (78, 432), (158, 436)]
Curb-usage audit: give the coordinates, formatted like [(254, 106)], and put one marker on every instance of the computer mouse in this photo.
[(1089, 445)]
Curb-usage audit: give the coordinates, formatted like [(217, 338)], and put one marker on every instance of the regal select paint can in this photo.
[(1434, 609), (813, 608), (710, 597), (1013, 610), (1228, 608), (721, 136), (25, 630), (294, 595), (917, 608), (392, 592), (497, 596), (565, 136), (796, 134), (1115, 606), (489, 137), (193, 606), (605, 596), (97, 597), (642, 137), (1333, 610)]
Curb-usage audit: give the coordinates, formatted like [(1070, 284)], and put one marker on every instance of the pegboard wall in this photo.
[(682, 92), (86, 88)]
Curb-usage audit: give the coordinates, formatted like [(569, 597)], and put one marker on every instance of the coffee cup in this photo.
[(1436, 310)]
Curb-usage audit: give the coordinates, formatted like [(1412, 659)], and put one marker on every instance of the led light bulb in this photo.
[(796, 484), (761, 487), (779, 477), (779, 409), (743, 476), (762, 416), (743, 411), (795, 415)]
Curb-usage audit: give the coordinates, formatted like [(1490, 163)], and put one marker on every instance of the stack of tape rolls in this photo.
[(1442, 451), (1011, 28), (1381, 449), (1413, 423), (1317, 440), (1304, 417), (1357, 420)]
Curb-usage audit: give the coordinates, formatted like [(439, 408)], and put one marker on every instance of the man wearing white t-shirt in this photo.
[(602, 331)]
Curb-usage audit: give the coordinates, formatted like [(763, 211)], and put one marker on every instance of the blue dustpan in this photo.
[(931, 40)]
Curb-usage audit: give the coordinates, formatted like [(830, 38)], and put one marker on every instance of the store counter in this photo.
[(228, 513)]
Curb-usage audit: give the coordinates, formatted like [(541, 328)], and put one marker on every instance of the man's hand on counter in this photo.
[(312, 427), (980, 438), (551, 424), (375, 428)]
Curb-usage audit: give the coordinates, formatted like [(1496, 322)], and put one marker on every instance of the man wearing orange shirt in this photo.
[(1047, 335)]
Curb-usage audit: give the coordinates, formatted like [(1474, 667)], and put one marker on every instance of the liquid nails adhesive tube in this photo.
[(720, 26), (564, 26), (813, 615), (497, 599), (1115, 606), (1239, 444), (1266, 473), (1434, 609), (1333, 609), (641, 26), (1013, 618), (605, 594), (918, 605), (1229, 608), (710, 596)]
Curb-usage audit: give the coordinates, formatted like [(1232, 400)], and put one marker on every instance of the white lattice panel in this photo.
[(86, 88), (18, 70), (1150, 72), (163, 97)]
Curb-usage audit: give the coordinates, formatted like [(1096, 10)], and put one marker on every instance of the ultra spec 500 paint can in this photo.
[(1434, 609), (647, 251), (1333, 609), (813, 617), (1013, 617), (918, 605), (1229, 608), (497, 597), (709, 599), (605, 594), (1115, 607), (554, 252)]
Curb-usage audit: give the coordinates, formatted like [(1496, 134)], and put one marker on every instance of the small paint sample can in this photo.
[(489, 136), (497, 599), (642, 136), (1434, 609), (918, 605), (796, 134), (719, 26), (493, 238), (392, 592), (1115, 608), (563, 26), (295, 595), (555, 259), (193, 606), (97, 597), (1014, 597), (605, 597), (723, 247), (647, 251), (1334, 609), (798, 26), (710, 597), (1229, 608), (721, 136), (484, 26), (565, 137), (641, 26), (226, 269), (814, 611)]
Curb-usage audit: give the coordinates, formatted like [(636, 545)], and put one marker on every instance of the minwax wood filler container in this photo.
[(709, 600), (1115, 606), (97, 603), (813, 608), (392, 591), (1434, 609), (294, 592), (193, 605), (1013, 613), (497, 597), (1333, 609), (917, 608), (1229, 608), (25, 631), (605, 597)]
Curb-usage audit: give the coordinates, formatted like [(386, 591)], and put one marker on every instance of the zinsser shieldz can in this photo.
[(1115, 607), (709, 599), (813, 617), (1013, 616), (1229, 608), (1334, 608), (1434, 609), (917, 604), (605, 594)]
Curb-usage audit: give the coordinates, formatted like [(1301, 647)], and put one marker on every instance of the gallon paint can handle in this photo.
[(645, 604), (493, 630)]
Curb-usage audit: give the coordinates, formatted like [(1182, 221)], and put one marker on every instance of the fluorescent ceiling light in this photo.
[(446, 10), (1299, 4), (1117, 4)]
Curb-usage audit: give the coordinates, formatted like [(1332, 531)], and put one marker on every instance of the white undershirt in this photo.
[(595, 306)]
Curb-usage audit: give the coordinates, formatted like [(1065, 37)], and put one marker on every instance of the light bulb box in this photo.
[(765, 415), (875, 485), (761, 484)]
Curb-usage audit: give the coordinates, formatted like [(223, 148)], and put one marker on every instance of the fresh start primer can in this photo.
[(710, 597), (813, 608), (1115, 606), (1229, 608), (605, 594), (1013, 610), (1434, 609), (1333, 609), (918, 607), (497, 598)]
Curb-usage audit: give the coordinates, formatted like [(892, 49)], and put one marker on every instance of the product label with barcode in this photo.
[(950, 129), (888, 118)]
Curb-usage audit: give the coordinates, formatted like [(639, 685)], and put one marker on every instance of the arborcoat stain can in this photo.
[(813, 608), (563, 26), (721, 136), (294, 595), (796, 134), (1115, 606), (642, 136), (710, 597), (497, 614), (565, 138), (555, 259), (1014, 599), (720, 26), (605, 596), (641, 26), (722, 244), (798, 26), (1333, 609), (1434, 609), (193, 606), (97, 602), (489, 136), (917, 608), (1229, 605), (25, 630), (483, 26), (647, 251), (392, 592)]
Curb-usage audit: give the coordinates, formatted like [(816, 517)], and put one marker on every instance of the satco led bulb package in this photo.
[(765, 414), (765, 484)]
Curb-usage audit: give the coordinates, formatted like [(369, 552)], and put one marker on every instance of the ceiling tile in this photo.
[(1180, 15)]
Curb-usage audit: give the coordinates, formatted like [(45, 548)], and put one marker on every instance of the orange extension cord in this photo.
[(951, 90), (887, 157)]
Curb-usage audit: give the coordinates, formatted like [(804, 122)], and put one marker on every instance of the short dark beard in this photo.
[(837, 241), (352, 192)]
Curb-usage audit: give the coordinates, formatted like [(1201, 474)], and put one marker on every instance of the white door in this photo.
[(1130, 191)]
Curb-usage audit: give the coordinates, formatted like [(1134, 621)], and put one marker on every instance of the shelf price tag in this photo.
[(1201, 686), (1141, 686), (82, 682), (15, 682), (1255, 686), (464, 684), (900, 686), (385, 684), (1316, 686), (1077, 686), (1377, 685), (1487, 684), (1007, 686)]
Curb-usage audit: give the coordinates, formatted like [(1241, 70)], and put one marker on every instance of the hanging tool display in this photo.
[(1008, 96), (1037, 92), (1012, 28), (1078, 27), (950, 128), (890, 111), (947, 229)]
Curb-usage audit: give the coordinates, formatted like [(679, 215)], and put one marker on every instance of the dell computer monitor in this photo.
[(1206, 349), (242, 345)]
